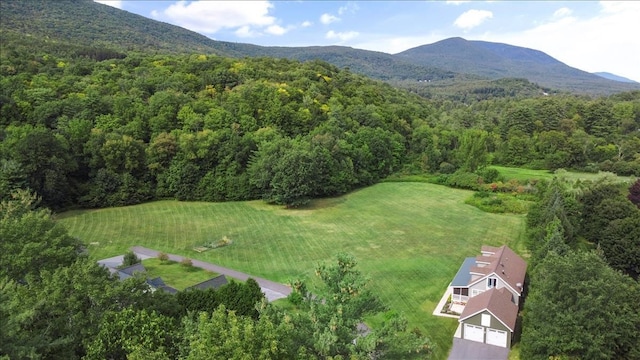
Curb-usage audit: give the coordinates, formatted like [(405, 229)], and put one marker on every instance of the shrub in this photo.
[(447, 168), (489, 175), (590, 168), (129, 259), (464, 180), (499, 203), (186, 262), (482, 194), (295, 298), (163, 256), (627, 168)]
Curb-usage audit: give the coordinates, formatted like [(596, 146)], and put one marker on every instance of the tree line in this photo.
[(583, 290), (93, 132)]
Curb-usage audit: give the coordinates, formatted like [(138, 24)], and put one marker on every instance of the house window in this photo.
[(491, 283), (485, 320), (461, 291)]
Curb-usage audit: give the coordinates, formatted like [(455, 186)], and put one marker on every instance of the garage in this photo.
[(497, 337), (474, 333)]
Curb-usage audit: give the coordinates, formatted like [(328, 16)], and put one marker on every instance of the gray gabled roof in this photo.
[(497, 302), (463, 276), (130, 270), (169, 289), (214, 283), (503, 262), (156, 282)]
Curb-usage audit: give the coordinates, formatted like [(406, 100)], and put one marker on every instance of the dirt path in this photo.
[(271, 289)]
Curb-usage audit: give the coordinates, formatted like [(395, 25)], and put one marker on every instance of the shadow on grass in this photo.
[(318, 204)]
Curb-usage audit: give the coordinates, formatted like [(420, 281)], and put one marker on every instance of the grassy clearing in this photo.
[(522, 174), (499, 203), (176, 275), (409, 238)]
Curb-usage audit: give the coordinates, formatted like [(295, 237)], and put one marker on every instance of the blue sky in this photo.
[(589, 35)]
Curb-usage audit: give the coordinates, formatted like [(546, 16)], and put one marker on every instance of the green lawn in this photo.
[(176, 275), (528, 174), (408, 238)]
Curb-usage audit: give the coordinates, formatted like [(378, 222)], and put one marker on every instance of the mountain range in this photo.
[(450, 61), (615, 77)]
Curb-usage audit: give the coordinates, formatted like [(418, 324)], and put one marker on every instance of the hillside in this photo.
[(448, 65), (64, 21), (614, 77), (373, 64), (494, 60)]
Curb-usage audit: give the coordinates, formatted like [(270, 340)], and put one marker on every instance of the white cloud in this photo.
[(211, 16), (114, 3), (562, 12), (276, 30), (306, 24), (456, 2), (246, 32), (472, 18), (328, 18), (342, 36), (351, 7)]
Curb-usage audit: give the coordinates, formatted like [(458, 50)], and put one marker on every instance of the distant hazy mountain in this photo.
[(614, 77), (495, 60), (85, 24)]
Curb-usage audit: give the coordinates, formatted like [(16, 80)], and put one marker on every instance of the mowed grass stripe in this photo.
[(408, 238)]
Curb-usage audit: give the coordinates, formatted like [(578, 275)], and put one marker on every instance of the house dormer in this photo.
[(495, 268)]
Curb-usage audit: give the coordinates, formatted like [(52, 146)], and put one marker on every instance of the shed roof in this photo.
[(214, 283), (463, 276), (130, 270), (497, 302), (156, 282)]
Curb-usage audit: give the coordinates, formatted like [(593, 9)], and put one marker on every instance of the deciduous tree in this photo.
[(578, 307), (31, 240), (634, 193)]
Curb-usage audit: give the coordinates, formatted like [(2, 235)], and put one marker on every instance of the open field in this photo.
[(528, 174), (176, 275), (408, 238)]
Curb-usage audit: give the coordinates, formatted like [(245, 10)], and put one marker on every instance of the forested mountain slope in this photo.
[(111, 28), (89, 23), (495, 60), (614, 77), (450, 64)]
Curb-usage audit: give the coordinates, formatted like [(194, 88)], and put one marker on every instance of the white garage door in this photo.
[(497, 337), (474, 333)]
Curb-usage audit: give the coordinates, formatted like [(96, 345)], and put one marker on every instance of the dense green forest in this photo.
[(81, 130), (583, 289)]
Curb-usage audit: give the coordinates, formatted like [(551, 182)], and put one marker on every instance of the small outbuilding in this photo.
[(213, 283), (490, 318)]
